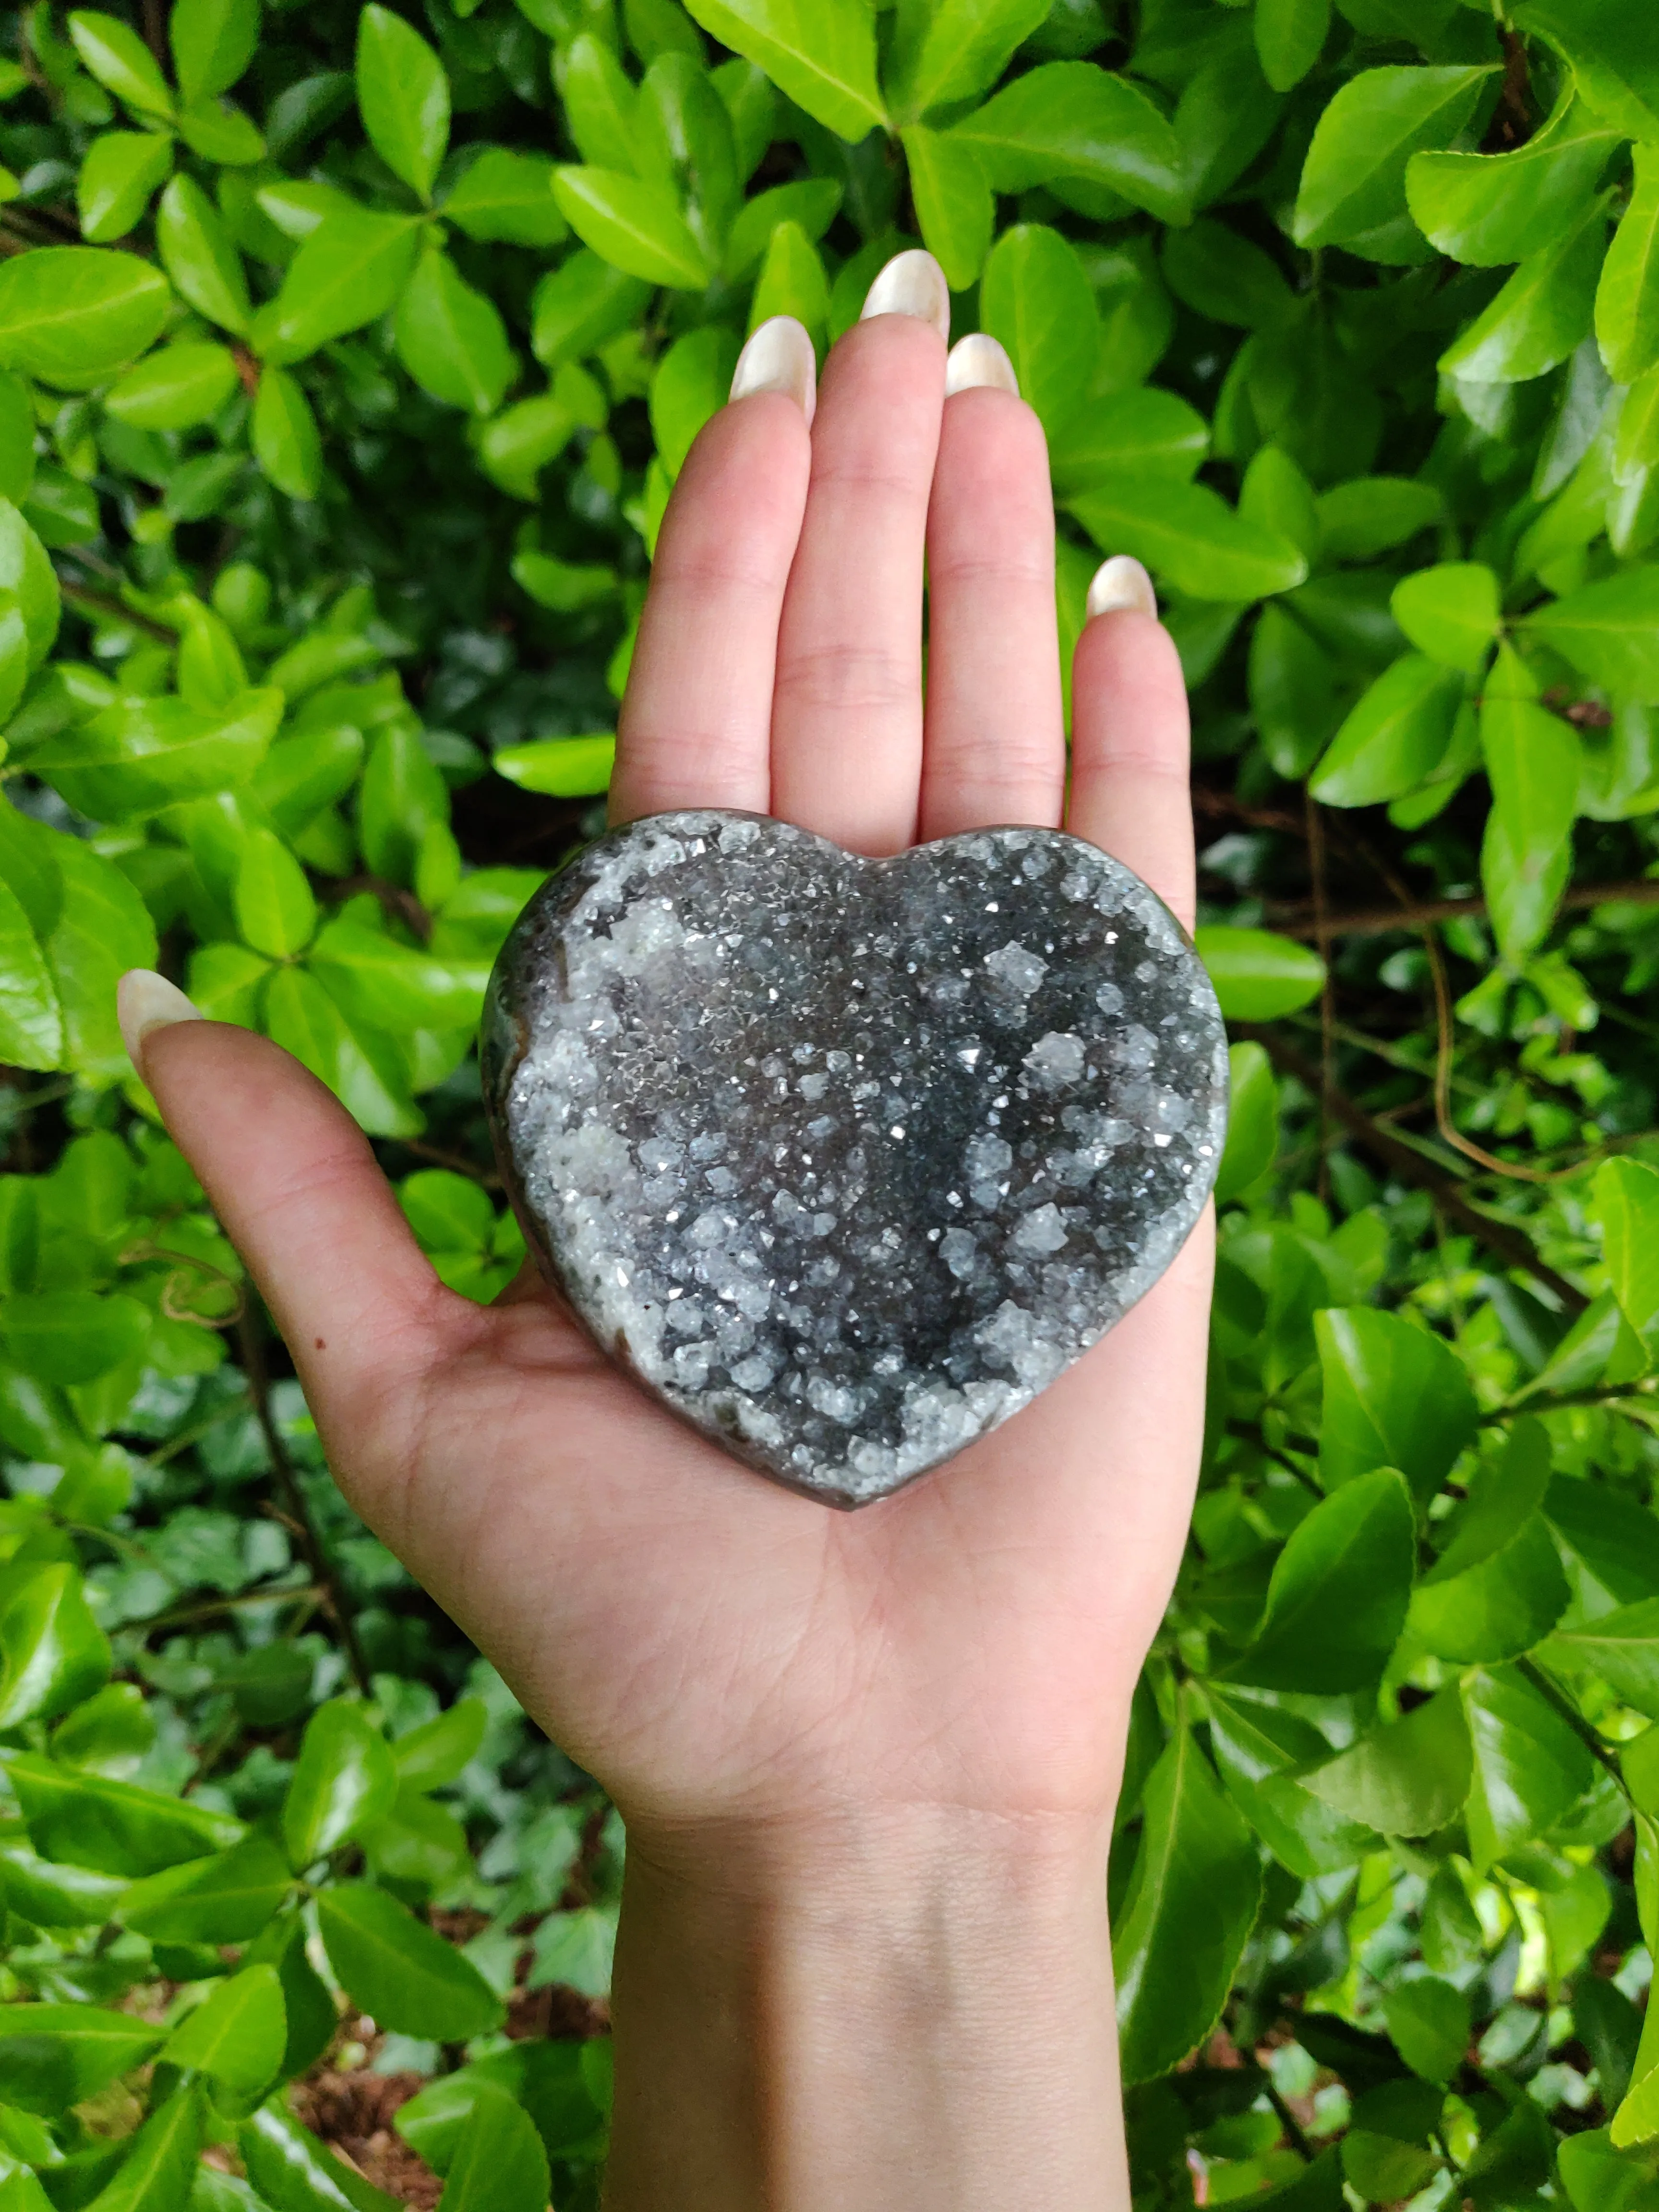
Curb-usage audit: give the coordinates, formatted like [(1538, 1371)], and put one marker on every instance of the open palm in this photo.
[(713, 1648)]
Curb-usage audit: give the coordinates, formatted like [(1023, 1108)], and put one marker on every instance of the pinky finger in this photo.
[(1131, 793)]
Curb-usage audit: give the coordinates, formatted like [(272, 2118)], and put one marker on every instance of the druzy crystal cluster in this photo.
[(846, 1159)]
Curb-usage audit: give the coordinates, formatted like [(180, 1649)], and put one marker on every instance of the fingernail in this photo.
[(1121, 584), (979, 360), (779, 357), (145, 1001), (912, 283)]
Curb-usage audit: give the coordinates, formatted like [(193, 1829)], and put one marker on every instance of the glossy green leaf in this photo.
[(174, 389), (49, 1895), (1488, 209), (213, 41), (436, 1752), (115, 54), (1541, 314), (344, 1781), (237, 2035), (1034, 298), (1340, 1587), (226, 1898), (286, 441), (1498, 1587), (954, 49), (1395, 737), (71, 1336), (583, 302), (812, 202), (792, 281), (295, 2172), (113, 1827), (53, 1652), (499, 2164), (149, 753), (1614, 54), (1354, 183), (634, 224), (1430, 2021), (200, 257), (1626, 1201), (1621, 1649), (221, 132), (1609, 631), (451, 339), (1189, 535), (1259, 976), (404, 97), (347, 273), (72, 314), (1190, 1907), (1534, 759), (953, 203), (54, 2055), (1409, 1777), (1290, 37), (1627, 297), (509, 196), (1450, 612), (120, 172), (1359, 520), (1073, 119), (409, 1979), (1395, 1395), (1226, 276), (564, 768), (1261, 1752), (275, 911), (1147, 433), (821, 53), (1529, 1765), (1252, 1121)]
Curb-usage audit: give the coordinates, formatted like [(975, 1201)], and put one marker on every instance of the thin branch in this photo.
[(1294, 2133), (1326, 994), (95, 603), (308, 1594), (298, 1513), (156, 33), (1388, 922), (186, 1437), (1561, 1402), (1574, 1719), (1509, 1244)]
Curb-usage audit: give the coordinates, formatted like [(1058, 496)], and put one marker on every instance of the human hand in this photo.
[(773, 1693)]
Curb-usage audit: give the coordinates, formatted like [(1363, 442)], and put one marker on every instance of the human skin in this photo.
[(868, 1762)]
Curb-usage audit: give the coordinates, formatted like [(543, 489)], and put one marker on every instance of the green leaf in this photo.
[(220, 132), (1395, 1395), (1451, 613), (792, 281), (499, 2164), (438, 1750), (1627, 298), (1487, 210), (120, 60), (1535, 762), (286, 443), (403, 95), (1395, 737), (276, 912), (1621, 1649), (344, 1781), (506, 195), (197, 254), (114, 1827), (1529, 1766), (54, 2055), (576, 1950), (812, 202), (144, 754), (1072, 119), (1541, 314), (31, 1018), (692, 382), (52, 1896), (1145, 433), (583, 302), (1191, 1905), (1259, 976), (119, 173), (1359, 520), (1626, 1204), (953, 203), (954, 49), (174, 389), (411, 1980), (634, 224), (1189, 535), (822, 53), (347, 273), (685, 144), (1340, 1587), (213, 41), (74, 314), (1614, 54), (601, 106), (100, 930), (564, 768), (71, 1336), (1221, 275), (1290, 37), (1034, 298), (53, 1652), (1498, 1587), (1429, 2022), (1252, 1121), (226, 1898), (449, 337), (1354, 183), (295, 2172), (1261, 1752), (1407, 1778), (237, 2035), (1609, 631), (381, 983)]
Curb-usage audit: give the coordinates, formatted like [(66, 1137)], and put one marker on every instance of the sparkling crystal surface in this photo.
[(846, 1159)]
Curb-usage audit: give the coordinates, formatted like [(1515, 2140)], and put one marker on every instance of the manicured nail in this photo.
[(978, 359), (912, 283), (1120, 584), (779, 357), (146, 1001)]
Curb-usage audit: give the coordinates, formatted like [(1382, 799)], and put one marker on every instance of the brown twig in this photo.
[(1574, 1719), (155, 33), (1385, 921), (297, 1514), (400, 904), (248, 368), (1326, 994), (1508, 1243), (95, 603), (457, 1163)]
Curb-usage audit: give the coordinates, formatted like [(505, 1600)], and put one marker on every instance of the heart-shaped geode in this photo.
[(845, 1159)]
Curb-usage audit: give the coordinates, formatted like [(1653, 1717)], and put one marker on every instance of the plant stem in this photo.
[(1574, 1719)]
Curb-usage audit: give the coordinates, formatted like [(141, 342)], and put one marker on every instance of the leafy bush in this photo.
[(347, 361)]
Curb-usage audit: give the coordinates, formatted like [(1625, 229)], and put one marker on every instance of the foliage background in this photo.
[(346, 357)]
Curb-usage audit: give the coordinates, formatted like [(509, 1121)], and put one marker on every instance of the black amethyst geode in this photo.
[(846, 1159)]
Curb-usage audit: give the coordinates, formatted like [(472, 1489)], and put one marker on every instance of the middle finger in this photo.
[(847, 711)]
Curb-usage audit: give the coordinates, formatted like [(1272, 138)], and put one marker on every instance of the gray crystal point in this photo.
[(846, 1159)]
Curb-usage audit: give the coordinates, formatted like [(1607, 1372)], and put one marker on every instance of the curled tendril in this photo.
[(175, 1299)]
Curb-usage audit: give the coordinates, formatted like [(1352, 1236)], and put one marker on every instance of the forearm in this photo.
[(914, 2010)]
